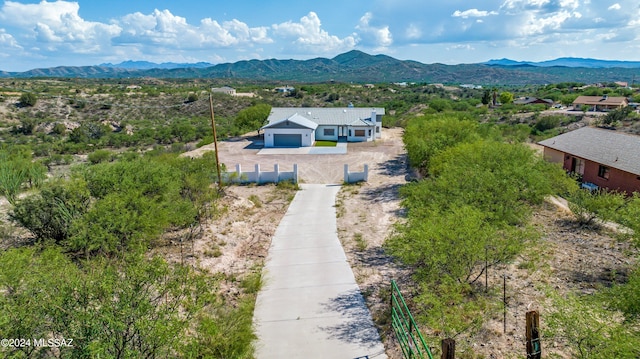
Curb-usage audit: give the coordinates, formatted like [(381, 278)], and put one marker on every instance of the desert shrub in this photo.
[(426, 136), (28, 99), (587, 206), (59, 129), (49, 214), (100, 156), (545, 123)]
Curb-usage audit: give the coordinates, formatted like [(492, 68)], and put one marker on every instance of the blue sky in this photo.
[(36, 34)]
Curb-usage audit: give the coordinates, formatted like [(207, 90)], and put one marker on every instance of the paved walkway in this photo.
[(310, 305)]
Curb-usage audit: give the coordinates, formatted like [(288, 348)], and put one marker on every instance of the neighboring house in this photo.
[(225, 90), (600, 103), (533, 101), (285, 89), (606, 158), (302, 126)]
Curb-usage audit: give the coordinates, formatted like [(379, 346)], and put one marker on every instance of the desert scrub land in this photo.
[(458, 234), (110, 182)]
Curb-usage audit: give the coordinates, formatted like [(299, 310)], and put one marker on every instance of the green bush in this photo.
[(49, 214), (545, 123), (99, 156), (426, 136), (28, 99)]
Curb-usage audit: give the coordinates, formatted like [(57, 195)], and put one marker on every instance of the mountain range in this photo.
[(568, 62), (359, 67)]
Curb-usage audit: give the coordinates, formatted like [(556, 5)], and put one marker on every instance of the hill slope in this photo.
[(357, 66)]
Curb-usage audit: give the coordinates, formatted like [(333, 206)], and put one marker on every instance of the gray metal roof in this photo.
[(340, 116), (295, 119), (607, 147)]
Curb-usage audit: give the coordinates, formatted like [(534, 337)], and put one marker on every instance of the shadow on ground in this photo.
[(255, 143), (358, 326)]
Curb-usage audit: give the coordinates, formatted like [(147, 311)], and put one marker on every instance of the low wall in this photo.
[(354, 177), (261, 177)]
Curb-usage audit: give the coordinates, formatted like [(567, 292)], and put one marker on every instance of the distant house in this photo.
[(225, 90), (285, 89), (533, 101), (605, 158), (600, 103), (302, 126), (471, 86)]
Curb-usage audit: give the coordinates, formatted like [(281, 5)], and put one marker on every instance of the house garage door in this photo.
[(287, 140)]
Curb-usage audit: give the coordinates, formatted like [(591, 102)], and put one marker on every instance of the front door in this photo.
[(577, 166)]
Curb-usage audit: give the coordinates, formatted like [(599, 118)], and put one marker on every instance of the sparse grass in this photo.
[(339, 206), (288, 185), (361, 243), (252, 282), (214, 251)]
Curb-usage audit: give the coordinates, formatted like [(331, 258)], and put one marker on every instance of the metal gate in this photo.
[(411, 341)]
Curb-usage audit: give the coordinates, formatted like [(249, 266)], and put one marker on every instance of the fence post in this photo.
[(366, 173), (258, 173), (295, 173), (534, 350), (276, 170), (346, 173), (238, 173), (448, 348)]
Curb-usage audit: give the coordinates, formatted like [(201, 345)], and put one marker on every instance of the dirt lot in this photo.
[(312, 168)]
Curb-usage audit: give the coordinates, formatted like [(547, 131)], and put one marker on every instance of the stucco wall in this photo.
[(367, 136), (553, 156), (320, 133)]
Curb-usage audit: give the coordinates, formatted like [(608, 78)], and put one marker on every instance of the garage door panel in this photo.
[(287, 140)]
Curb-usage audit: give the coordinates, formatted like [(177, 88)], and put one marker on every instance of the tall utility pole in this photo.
[(215, 142)]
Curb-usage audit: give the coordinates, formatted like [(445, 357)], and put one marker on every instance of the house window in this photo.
[(329, 132), (377, 129), (603, 172), (359, 133)]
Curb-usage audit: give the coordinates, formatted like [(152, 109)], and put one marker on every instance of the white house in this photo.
[(302, 126), (225, 90)]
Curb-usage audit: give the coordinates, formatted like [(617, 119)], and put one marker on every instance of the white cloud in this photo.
[(615, 6), (309, 36), (57, 22), (7, 40), (380, 37), (413, 32), (461, 47), (472, 13), (536, 25), (555, 5), (167, 29)]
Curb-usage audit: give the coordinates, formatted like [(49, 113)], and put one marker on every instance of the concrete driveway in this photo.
[(310, 305)]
